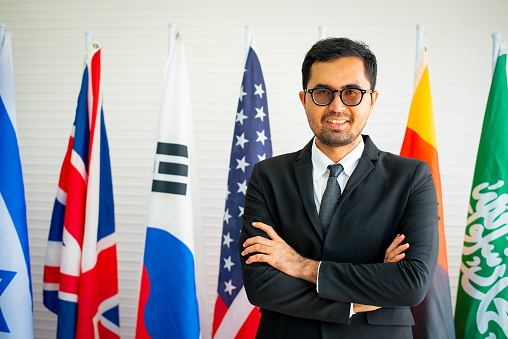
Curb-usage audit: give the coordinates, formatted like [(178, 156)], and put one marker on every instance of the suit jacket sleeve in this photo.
[(271, 289), (393, 284)]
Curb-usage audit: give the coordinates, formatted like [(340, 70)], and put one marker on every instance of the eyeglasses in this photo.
[(349, 96)]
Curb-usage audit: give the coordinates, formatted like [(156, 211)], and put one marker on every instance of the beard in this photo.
[(333, 138)]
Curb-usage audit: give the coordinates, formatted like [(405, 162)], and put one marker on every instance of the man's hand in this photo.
[(278, 254), (394, 252), (359, 308)]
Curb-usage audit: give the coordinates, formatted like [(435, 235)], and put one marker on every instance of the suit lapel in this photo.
[(303, 171), (364, 167)]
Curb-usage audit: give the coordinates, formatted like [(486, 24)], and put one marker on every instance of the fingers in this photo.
[(394, 253), (257, 258), (396, 242), (257, 248), (257, 240), (358, 308), (267, 229)]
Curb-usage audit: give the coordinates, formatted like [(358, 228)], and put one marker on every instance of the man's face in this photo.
[(338, 125)]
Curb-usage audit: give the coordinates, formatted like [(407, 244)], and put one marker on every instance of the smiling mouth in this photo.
[(337, 121)]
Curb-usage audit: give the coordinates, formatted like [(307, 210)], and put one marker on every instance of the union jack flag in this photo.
[(80, 273), (234, 316)]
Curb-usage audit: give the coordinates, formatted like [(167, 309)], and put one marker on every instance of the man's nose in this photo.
[(337, 105)]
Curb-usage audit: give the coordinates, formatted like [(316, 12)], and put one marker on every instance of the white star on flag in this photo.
[(228, 263), (260, 113), (242, 93), (242, 164), (227, 240), (261, 136), (241, 140), (242, 187), (229, 286), (260, 157), (259, 90), (226, 216), (241, 211), (240, 117)]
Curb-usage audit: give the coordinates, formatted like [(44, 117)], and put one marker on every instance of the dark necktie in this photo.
[(330, 197)]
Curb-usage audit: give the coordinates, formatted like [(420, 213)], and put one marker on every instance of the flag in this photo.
[(433, 316), (234, 316), (173, 297), (482, 298), (16, 316), (80, 273)]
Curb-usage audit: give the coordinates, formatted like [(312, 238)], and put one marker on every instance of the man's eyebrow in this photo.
[(322, 86), (353, 85)]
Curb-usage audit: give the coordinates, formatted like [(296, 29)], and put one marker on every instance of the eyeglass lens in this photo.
[(349, 96)]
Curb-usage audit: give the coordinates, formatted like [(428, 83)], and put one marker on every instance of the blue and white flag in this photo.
[(16, 305), (173, 299), (234, 316)]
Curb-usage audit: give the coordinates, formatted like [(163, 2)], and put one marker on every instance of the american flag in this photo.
[(234, 316), (80, 273)]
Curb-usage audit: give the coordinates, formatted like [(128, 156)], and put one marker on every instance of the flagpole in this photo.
[(2, 34), (249, 32), (172, 36), (88, 38), (496, 38), (322, 32), (420, 31)]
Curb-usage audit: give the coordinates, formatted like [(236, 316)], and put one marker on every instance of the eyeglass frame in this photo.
[(363, 91)]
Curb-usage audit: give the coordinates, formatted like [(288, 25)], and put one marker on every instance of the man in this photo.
[(316, 244)]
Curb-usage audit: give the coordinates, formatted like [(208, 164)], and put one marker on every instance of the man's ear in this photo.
[(374, 99), (302, 98)]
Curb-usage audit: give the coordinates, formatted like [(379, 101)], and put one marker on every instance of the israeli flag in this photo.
[(16, 304)]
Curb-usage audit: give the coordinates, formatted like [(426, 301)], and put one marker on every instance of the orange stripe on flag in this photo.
[(416, 147)]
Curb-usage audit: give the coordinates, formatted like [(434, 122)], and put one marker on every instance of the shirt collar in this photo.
[(320, 161)]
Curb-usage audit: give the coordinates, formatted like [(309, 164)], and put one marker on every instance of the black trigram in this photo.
[(163, 168)]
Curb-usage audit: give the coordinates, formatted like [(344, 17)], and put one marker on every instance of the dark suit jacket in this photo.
[(385, 196)]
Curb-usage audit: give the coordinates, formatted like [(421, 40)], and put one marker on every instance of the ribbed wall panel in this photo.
[(48, 50)]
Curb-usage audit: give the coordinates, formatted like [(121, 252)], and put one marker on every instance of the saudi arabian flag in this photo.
[(482, 297)]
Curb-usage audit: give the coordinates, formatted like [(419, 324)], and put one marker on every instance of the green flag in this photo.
[(482, 297)]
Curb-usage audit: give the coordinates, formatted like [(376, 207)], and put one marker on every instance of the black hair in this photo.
[(336, 48)]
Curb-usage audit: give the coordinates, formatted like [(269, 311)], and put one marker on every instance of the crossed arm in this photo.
[(278, 254)]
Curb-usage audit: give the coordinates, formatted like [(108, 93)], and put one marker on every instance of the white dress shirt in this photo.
[(320, 174)]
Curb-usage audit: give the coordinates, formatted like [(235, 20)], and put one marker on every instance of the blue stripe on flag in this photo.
[(82, 132), (11, 181), (67, 319), (51, 300), (170, 267), (57, 221), (112, 315), (106, 205)]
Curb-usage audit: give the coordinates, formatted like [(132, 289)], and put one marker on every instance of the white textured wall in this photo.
[(48, 49)]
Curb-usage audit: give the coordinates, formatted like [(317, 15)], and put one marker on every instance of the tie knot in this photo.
[(335, 170)]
